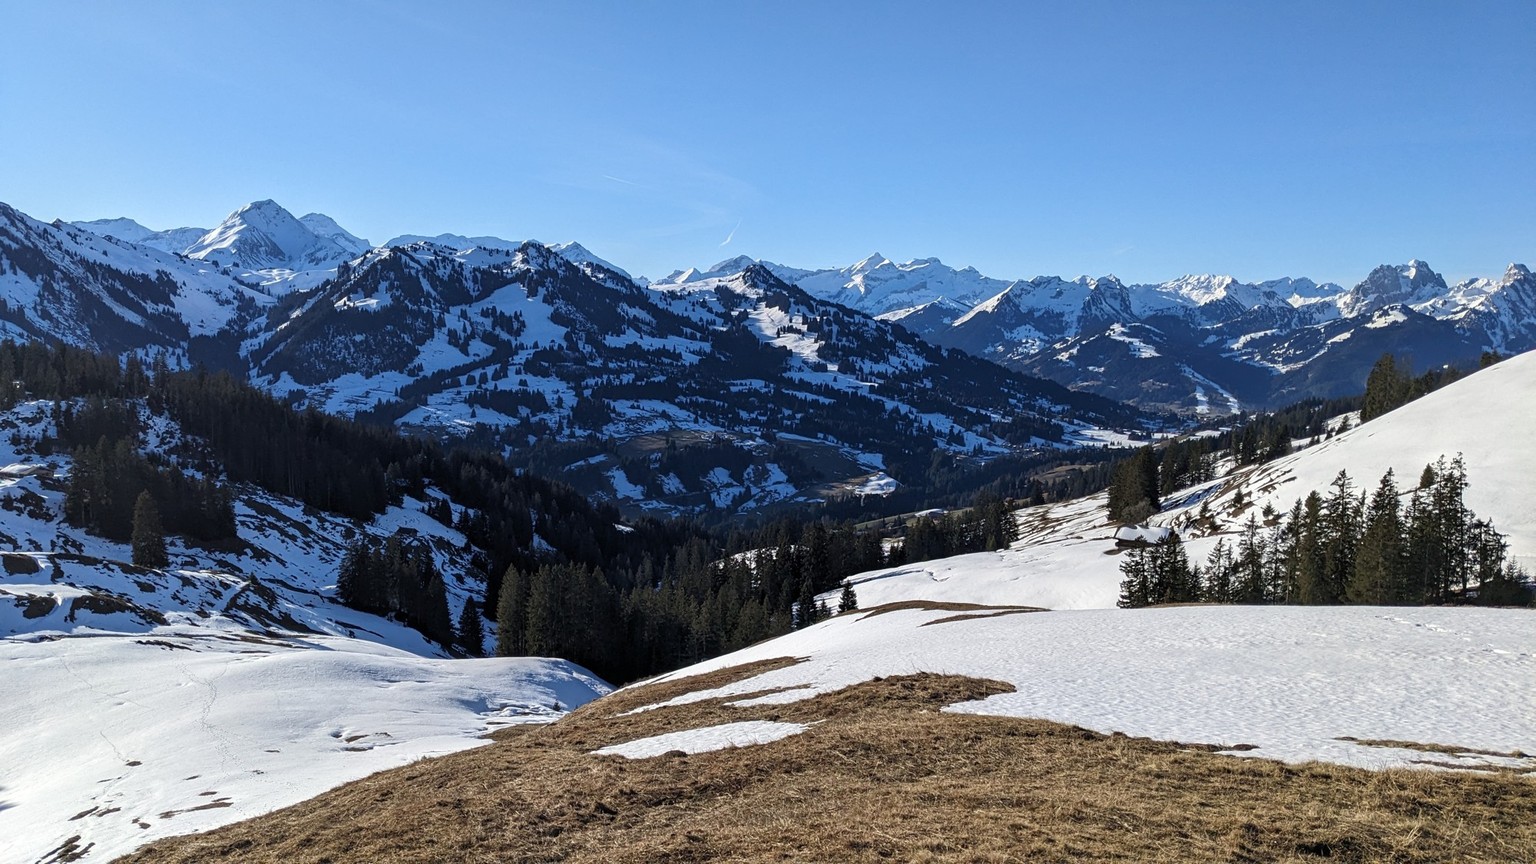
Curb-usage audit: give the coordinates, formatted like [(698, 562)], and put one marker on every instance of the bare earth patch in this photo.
[(882, 775)]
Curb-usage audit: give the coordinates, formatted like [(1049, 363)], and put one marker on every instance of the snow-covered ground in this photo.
[(1291, 683), (119, 739), (721, 737), (1294, 682), (138, 703), (1066, 557)]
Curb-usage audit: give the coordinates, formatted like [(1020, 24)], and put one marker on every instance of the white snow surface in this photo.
[(123, 739), (1291, 682), (721, 737)]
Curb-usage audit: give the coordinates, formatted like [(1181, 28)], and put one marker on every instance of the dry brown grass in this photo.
[(886, 776)]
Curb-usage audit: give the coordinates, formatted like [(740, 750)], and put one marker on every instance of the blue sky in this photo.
[(1143, 139)]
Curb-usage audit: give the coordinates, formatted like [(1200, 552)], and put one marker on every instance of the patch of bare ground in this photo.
[(883, 775), (939, 606)]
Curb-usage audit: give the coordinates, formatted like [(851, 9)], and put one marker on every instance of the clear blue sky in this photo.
[(1144, 139)]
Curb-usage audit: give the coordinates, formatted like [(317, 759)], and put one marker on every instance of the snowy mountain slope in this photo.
[(113, 740), (773, 392), (174, 240), (1066, 558), (282, 574), (579, 255), (143, 702), (62, 282), (1222, 344), (263, 236), (457, 242), (325, 227), (359, 333)]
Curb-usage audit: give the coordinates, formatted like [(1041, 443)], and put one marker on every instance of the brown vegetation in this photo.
[(883, 775)]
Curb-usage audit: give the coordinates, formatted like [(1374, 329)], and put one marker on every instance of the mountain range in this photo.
[(781, 384), (1199, 343), (731, 394)]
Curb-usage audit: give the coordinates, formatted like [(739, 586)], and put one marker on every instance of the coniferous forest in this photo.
[(1343, 546), (625, 598)]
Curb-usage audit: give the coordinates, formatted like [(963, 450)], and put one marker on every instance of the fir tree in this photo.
[(1386, 388), (849, 601), (512, 614), (148, 537), (1378, 577), (805, 607), (1219, 567), (1172, 580), (1311, 576), (1136, 581)]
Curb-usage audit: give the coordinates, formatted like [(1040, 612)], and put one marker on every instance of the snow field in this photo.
[(1288, 682), (122, 739)]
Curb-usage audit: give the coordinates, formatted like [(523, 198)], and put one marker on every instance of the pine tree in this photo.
[(1249, 584), (805, 607), (1172, 580), (1386, 388), (512, 614), (349, 579), (1378, 577), (148, 537), (1219, 567), (849, 601), (1311, 577), (1339, 537), (471, 632), (1136, 584)]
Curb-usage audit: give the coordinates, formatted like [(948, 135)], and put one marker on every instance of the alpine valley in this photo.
[(270, 496)]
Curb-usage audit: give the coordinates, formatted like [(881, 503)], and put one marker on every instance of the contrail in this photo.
[(730, 236), (620, 180)]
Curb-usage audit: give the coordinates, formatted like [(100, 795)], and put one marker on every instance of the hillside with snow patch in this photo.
[(1067, 557), (138, 703)]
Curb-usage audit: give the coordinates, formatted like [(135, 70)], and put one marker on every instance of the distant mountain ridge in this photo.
[(1200, 343)]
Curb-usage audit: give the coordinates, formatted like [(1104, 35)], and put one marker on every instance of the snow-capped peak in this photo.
[(1407, 284), (457, 242), (122, 228), (872, 262), (322, 225), (578, 254), (733, 265), (130, 231), (262, 235)]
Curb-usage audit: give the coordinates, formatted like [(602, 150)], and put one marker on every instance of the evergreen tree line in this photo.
[(1140, 481), (987, 526), (1344, 547), (110, 474), (390, 578), (1391, 383), (703, 601)]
